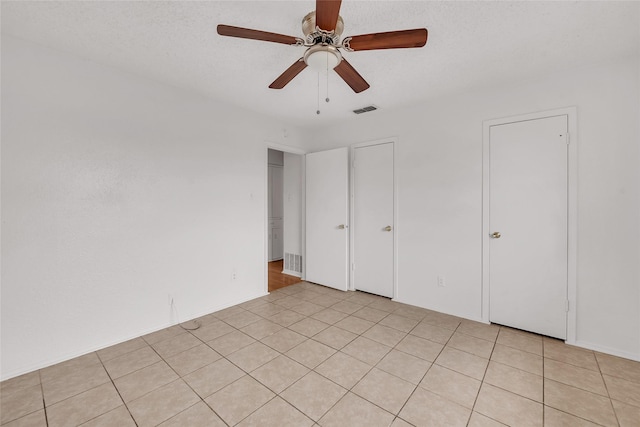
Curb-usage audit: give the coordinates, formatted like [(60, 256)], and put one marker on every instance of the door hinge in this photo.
[(566, 306), (353, 266), (568, 138)]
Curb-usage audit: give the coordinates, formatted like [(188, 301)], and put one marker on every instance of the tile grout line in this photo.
[(44, 404), (585, 390), (117, 391), (209, 406), (432, 363), (265, 385), (76, 394), (349, 390), (606, 387), (185, 382), (258, 367), (484, 374), (180, 378), (544, 380), (388, 313), (157, 388), (544, 404)]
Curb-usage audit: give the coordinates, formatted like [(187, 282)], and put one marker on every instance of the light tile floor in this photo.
[(308, 355)]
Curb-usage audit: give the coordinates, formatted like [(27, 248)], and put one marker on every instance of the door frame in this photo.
[(572, 208), (352, 148), (291, 150)]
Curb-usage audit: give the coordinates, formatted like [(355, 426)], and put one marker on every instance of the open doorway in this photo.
[(284, 218), (278, 279)]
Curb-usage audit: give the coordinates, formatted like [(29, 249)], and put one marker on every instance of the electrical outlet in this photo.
[(441, 281), (234, 276)]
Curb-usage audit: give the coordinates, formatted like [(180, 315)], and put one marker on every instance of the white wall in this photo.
[(292, 204), (439, 170), (116, 192)]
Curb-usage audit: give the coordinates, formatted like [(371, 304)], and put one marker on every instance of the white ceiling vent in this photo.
[(365, 109)]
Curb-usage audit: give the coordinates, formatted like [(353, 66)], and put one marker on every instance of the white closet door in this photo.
[(528, 225), (327, 213), (373, 219)]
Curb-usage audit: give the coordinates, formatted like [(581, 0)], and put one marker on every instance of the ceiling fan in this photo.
[(322, 29)]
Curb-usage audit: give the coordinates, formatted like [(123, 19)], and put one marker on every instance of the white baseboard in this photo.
[(607, 350), (466, 317), (578, 343)]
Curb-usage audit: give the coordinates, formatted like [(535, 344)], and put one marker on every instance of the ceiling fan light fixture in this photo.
[(322, 57)]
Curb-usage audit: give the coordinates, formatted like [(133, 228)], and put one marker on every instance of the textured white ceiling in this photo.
[(470, 44)]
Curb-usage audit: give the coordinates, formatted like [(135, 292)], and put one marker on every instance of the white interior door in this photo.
[(528, 225), (327, 213), (275, 209), (276, 243), (373, 226), (277, 191)]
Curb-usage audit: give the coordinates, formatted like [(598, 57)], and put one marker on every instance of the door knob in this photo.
[(342, 227), (387, 228), (495, 235)]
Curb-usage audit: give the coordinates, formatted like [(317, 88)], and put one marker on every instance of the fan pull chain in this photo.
[(327, 98), (318, 99)]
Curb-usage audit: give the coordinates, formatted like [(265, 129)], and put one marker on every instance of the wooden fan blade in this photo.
[(246, 33), (288, 74), (390, 40), (327, 12), (351, 76)]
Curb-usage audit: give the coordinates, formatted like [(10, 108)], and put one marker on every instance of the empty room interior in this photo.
[(320, 213)]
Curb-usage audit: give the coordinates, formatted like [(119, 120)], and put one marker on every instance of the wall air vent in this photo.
[(365, 109), (293, 262)]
